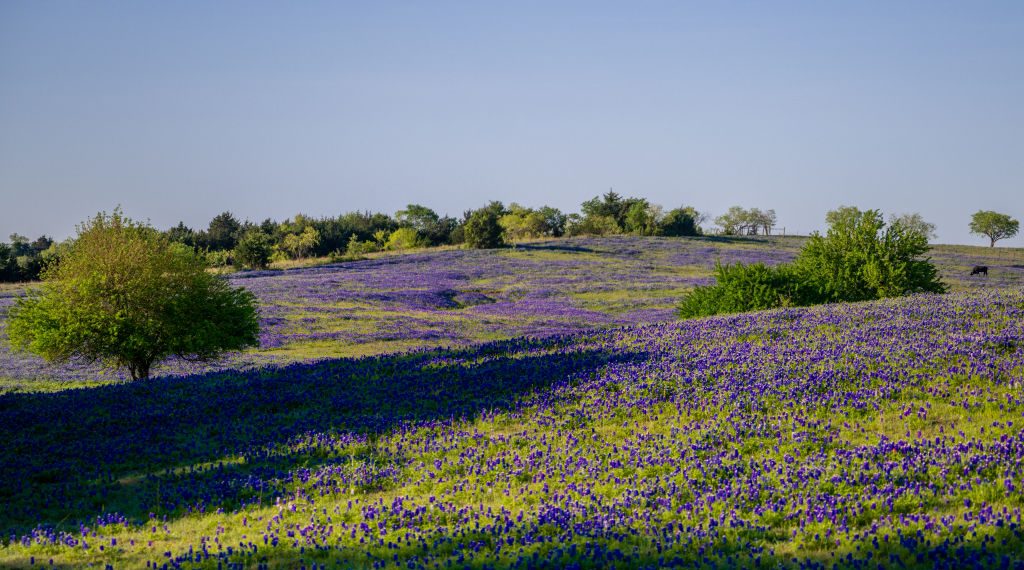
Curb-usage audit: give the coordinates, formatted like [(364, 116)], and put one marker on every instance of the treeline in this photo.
[(23, 260), (228, 241)]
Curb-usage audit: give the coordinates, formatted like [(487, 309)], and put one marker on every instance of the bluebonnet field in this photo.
[(460, 297), (885, 433)]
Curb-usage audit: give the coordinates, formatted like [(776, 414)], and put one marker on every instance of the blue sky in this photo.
[(181, 110)]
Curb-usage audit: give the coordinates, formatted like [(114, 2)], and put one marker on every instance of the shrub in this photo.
[(358, 248), (124, 295), (404, 238), (254, 250), (859, 259), (483, 229), (739, 288), (217, 259)]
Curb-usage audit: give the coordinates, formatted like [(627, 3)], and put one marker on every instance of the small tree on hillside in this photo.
[(915, 223), (124, 295), (254, 250), (860, 258), (683, 221), (483, 229), (994, 225)]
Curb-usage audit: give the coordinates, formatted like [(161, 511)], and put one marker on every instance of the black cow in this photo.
[(980, 269)]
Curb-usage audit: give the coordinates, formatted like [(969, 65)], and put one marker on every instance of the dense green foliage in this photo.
[(483, 230), (993, 225), (861, 258), (740, 288), (741, 221), (254, 250), (126, 296), (858, 259), (22, 260)]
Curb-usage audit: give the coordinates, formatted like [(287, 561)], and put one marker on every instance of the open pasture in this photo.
[(456, 298), (876, 433)]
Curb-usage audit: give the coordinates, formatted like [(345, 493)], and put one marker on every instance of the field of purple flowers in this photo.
[(883, 434), (461, 297)]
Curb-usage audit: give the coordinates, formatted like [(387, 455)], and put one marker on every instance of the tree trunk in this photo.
[(139, 369)]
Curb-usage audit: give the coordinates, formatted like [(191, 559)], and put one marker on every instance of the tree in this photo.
[(861, 259), (482, 229), (734, 221), (182, 234), (254, 250), (642, 218), (857, 260), (683, 221), (994, 225), (299, 245), (915, 223), (223, 231), (433, 229), (763, 219), (404, 238), (128, 297)]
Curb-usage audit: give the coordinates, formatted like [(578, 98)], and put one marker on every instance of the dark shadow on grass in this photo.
[(554, 247), (70, 456)]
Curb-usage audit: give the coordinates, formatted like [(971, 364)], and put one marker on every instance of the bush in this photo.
[(254, 250), (739, 288), (217, 259), (404, 238), (358, 248), (483, 229), (124, 295), (859, 259)]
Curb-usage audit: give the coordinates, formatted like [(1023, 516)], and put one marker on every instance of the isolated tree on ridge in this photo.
[(994, 225)]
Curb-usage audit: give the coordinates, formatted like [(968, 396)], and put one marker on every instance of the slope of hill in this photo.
[(876, 433), (460, 297)]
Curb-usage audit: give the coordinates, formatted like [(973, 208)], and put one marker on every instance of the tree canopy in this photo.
[(858, 259), (126, 296), (994, 225)]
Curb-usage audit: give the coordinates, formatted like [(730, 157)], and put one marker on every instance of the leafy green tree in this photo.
[(994, 225), (182, 234), (483, 230), (592, 226), (915, 223), (609, 205), (254, 250), (857, 260), (681, 222), (8, 263), (223, 232), (404, 238), (861, 259), (734, 222), (126, 296), (299, 245), (554, 221), (642, 218)]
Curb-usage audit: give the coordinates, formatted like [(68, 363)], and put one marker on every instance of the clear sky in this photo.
[(180, 110)]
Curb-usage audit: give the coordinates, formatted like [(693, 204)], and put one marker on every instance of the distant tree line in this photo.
[(23, 260), (228, 241)]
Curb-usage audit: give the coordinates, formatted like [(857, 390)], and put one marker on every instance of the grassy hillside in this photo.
[(459, 297), (886, 432)]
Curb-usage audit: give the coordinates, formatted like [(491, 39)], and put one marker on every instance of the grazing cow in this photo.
[(980, 269)]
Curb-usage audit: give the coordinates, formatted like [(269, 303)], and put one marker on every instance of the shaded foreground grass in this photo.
[(886, 433)]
